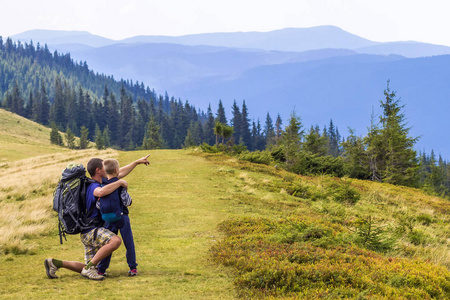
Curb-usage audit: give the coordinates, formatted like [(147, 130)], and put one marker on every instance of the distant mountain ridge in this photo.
[(60, 37), (287, 39)]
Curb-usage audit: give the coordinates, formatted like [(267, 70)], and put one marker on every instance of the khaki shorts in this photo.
[(91, 245)]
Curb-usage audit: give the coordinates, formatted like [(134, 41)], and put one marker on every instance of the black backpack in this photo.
[(69, 201)]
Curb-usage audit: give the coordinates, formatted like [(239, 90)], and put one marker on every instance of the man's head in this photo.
[(111, 167), (95, 166)]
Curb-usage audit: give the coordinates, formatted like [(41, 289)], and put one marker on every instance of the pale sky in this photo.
[(380, 20)]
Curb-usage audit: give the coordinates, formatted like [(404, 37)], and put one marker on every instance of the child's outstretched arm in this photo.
[(124, 171)]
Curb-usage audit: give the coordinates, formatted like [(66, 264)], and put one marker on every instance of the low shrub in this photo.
[(345, 193), (209, 149), (312, 164), (424, 219), (259, 157), (417, 237), (271, 267), (373, 236)]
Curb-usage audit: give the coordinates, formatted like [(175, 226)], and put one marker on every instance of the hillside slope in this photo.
[(280, 234), (21, 138)]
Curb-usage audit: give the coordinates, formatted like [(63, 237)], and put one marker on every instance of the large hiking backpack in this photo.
[(69, 201)]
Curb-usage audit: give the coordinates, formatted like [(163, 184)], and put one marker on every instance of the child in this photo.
[(113, 208)]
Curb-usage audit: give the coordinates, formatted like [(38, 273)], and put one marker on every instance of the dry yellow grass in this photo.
[(26, 195)]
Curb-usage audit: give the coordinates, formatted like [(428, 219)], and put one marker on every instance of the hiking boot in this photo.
[(91, 273), (50, 268), (132, 272)]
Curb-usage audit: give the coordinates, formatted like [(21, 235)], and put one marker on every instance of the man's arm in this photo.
[(109, 188), (124, 171)]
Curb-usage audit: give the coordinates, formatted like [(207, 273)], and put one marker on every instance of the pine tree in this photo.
[(269, 132), (375, 151), (99, 143), (105, 136), (84, 137), (333, 140), (70, 139), (17, 103), (397, 146), (36, 109), (71, 111), (315, 143), (278, 130), (218, 131), (220, 117), (208, 129), (236, 122), (55, 136), (193, 136), (152, 138), (58, 112), (113, 119), (44, 115), (356, 157), (260, 142), (245, 127), (291, 139), (227, 133), (126, 119), (28, 112)]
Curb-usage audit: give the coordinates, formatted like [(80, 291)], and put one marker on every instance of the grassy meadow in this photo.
[(209, 226)]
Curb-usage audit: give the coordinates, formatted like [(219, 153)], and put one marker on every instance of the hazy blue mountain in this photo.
[(166, 66), (289, 39), (58, 37), (344, 89), (407, 49)]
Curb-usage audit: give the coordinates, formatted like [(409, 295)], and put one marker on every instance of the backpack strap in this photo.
[(61, 233)]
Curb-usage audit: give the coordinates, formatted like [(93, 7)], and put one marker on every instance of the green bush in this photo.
[(210, 149), (373, 236), (417, 237), (259, 157), (278, 154), (312, 164), (424, 219), (238, 149), (344, 193)]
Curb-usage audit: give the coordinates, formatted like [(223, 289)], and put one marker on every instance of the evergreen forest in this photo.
[(54, 90)]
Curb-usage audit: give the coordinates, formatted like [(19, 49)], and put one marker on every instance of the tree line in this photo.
[(53, 90)]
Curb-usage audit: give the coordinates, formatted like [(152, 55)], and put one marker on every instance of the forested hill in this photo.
[(29, 65), (53, 89)]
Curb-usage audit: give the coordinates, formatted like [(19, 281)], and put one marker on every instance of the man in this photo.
[(98, 241)]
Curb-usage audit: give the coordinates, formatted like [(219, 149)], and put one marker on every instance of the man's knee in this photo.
[(115, 241)]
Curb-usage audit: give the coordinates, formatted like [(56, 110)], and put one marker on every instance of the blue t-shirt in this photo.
[(111, 205), (91, 201)]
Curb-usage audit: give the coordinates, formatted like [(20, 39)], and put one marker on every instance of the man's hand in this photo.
[(123, 183), (109, 188), (143, 160)]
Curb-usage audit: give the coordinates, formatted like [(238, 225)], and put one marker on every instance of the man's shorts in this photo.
[(93, 244)]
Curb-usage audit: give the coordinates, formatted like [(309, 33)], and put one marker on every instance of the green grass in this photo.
[(208, 226), (174, 216), (21, 138)]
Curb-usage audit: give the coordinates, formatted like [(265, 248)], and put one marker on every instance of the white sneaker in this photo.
[(91, 273), (50, 268)]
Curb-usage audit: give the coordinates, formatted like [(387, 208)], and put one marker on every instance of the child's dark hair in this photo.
[(93, 164)]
